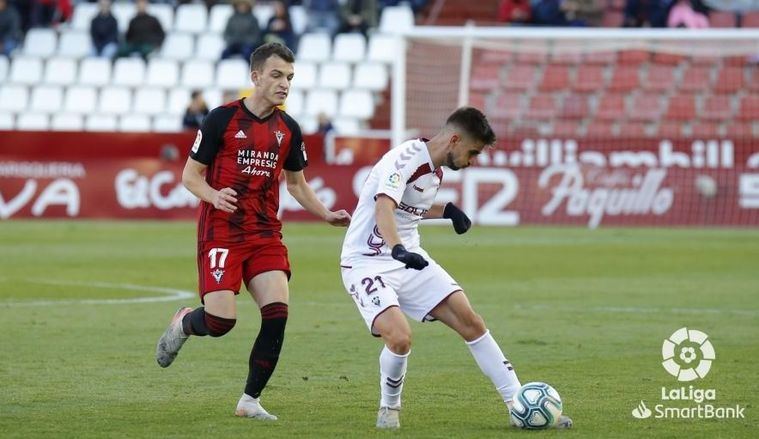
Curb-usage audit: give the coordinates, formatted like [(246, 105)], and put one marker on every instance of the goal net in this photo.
[(613, 127)]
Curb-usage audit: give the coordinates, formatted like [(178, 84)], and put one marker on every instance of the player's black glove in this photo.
[(412, 260), (461, 222)]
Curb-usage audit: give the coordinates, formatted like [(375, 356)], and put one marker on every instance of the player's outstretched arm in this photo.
[(461, 222), (193, 178), (299, 188), (384, 210)]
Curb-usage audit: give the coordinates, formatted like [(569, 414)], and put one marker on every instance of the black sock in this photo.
[(265, 353), (194, 322)]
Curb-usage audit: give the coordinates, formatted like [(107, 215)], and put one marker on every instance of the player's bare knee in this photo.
[(399, 342), (473, 326)]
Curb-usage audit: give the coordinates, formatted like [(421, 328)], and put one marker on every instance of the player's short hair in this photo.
[(473, 123), (265, 51)]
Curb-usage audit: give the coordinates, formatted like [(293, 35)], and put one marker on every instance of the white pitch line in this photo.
[(171, 295)]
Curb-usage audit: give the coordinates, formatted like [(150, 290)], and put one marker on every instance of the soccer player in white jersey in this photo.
[(387, 273)]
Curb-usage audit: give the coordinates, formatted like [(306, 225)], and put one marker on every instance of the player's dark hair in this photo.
[(265, 51), (473, 123)]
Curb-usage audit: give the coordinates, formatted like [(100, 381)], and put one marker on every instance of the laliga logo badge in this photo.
[(681, 352)]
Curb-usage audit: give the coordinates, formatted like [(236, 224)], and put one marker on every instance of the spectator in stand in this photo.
[(683, 14), (47, 13), (144, 35), (358, 16), (323, 16), (280, 28), (10, 28), (242, 33), (646, 13), (514, 11), (325, 125), (589, 12), (196, 111), (416, 5), (104, 31), (556, 13)]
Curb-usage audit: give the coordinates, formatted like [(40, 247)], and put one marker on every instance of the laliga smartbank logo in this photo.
[(687, 355)]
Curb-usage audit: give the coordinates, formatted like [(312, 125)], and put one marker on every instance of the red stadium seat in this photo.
[(659, 78), (633, 129), (555, 77), (485, 77), (695, 77), (537, 56), (565, 128), (507, 106), (477, 100), (599, 128), (624, 78), (611, 107), (750, 19), (633, 57), (749, 108), (647, 107), (496, 56), (520, 77), (717, 107), (729, 80), (668, 58), (739, 130), (705, 130), (681, 107), (722, 19), (753, 82), (575, 107), (599, 57), (588, 79), (612, 19), (670, 129), (541, 107)]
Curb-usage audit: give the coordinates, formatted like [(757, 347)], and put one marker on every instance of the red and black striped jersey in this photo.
[(246, 153)]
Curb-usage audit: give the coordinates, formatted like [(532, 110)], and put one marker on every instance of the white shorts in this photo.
[(416, 292)]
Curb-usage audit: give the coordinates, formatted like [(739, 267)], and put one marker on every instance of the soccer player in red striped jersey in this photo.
[(234, 168)]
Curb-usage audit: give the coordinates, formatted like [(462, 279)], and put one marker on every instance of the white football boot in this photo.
[(249, 407), (172, 339), (388, 418)]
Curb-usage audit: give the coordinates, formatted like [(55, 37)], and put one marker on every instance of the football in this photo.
[(536, 406)]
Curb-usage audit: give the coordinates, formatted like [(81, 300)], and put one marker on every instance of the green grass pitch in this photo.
[(585, 311)]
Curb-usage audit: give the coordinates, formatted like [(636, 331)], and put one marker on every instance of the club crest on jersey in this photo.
[(218, 274), (376, 301), (279, 135), (393, 181)]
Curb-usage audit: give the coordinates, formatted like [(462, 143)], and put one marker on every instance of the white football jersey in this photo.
[(405, 174)]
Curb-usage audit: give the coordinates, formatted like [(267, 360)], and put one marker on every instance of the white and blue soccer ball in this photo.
[(536, 406)]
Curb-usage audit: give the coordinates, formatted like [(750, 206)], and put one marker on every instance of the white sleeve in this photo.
[(396, 171)]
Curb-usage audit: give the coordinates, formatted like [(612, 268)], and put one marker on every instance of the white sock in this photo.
[(247, 398), (392, 375), (495, 366)]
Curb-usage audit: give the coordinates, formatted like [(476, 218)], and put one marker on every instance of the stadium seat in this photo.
[(177, 46), (74, 44), (335, 75), (33, 122), (477, 100), (95, 71), (750, 19), (555, 77), (233, 73), (599, 128), (67, 122), (217, 21), (40, 42), (484, 77), (681, 107), (167, 124), (599, 58), (164, 13), (83, 14), (371, 76), (294, 104), (382, 48), (634, 129), (26, 70), (346, 126), (565, 128), (46, 99), (532, 53), (694, 78), (191, 18), (13, 98), (670, 129), (115, 100), (305, 75), (520, 77), (659, 78), (749, 108), (723, 19), (60, 71), (611, 107), (100, 122), (263, 12), (705, 130), (123, 12), (197, 74), (729, 80), (753, 81), (668, 59), (717, 107), (213, 97), (308, 124), (321, 101), (646, 107), (3, 69), (129, 72), (162, 72), (350, 48), (541, 107), (150, 101), (507, 106), (134, 123), (613, 19), (7, 121), (314, 47), (738, 130), (575, 106), (209, 47), (633, 57), (588, 79), (624, 78), (179, 98), (80, 99), (298, 19), (357, 103), (396, 19)]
